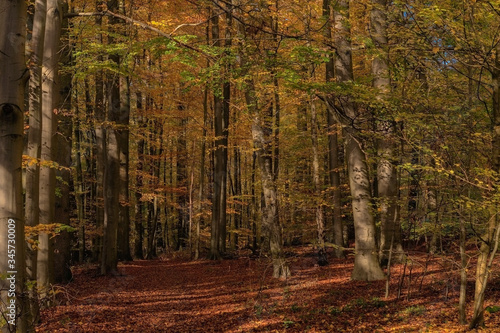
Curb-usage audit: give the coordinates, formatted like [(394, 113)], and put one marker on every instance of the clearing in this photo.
[(177, 295)]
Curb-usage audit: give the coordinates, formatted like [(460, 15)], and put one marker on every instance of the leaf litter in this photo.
[(240, 295)]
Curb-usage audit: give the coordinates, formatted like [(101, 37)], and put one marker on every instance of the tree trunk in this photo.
[(201, 191), (111, 189), (489, 243), (462, 303), (99, 149), (262, 138), (34, 145), (182, 181), (487, 253), (221, 120), (139, 182), (123, 143), (154, 170), (320, 220), (256, 241), (387, 180), (123, 146), (62, 156), (79, 187), (50, 96), (109, 259), (237, 196), (366, 266), (12, 82), (333, 147)]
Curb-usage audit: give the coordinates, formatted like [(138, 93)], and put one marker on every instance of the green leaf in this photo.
[(493, 308)]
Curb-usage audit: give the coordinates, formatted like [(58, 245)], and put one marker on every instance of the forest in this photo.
[(249, 165)]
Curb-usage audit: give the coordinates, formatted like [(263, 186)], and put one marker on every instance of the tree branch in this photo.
[(146, 27)]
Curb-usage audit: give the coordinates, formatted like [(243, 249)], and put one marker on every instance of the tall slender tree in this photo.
[(50, 105), (333, 145), (139, 183), (182, 178), (12, 82), (387, 181), (262, 134), (221, 120), (491, 239), (111, 190), (34, 141), (123, 134), (99, 144), (63, 155), (366, 266)]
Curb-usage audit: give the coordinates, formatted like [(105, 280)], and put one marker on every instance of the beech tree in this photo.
[(111, 160), (387, 182), (333, 142), (50, 77), (385, 156), (35, 46), (491, 238), (12, 82), (221, 120), (366, 266)]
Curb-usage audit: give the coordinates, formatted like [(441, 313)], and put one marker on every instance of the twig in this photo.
[(389, 268), (402, 279), (144, 26)]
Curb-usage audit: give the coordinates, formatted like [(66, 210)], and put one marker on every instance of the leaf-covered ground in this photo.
[(176, 295)]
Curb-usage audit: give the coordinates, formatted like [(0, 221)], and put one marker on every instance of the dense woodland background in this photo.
[(359, 128)]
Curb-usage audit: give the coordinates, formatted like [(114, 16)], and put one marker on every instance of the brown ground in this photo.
[(176, 295)]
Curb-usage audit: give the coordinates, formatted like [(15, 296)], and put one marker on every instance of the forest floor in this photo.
[(178, 295)]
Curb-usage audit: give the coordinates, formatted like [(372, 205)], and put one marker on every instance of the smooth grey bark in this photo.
[(12, 82), (182, 180), (487, 253), (111, 189), (154, 173), (333, 146), (462, 303), (34, 144), (50, 100), (237, 217), (139, 182), (270, 219), (320, 219), (222, 128), (221, 121), (490, 240), (262, 137), (215, 252), (387, 181), (201, 190), (366, 266), (109, 259), (79, 186), (123, 135), (62, 156), (34, 120), (99, 149), (152, 182)]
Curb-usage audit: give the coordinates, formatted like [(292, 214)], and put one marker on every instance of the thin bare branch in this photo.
[(146, 27)]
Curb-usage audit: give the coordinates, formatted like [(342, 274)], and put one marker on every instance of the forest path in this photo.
[(239, 295)]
